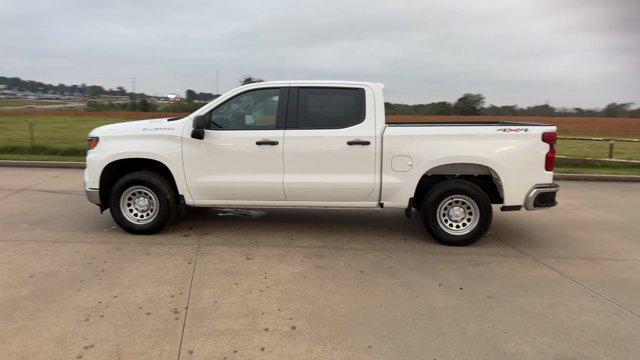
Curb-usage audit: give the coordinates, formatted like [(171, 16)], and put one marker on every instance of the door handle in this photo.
[(266, 142), (358, 142)]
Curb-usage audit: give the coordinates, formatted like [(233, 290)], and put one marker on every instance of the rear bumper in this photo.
[(542, 196), (93, 195)]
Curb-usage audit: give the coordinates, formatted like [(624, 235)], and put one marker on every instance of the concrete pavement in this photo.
[(241, 284)]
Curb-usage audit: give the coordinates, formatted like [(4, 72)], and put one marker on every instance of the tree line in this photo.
[(144, 105), (191, 95), (467, 104), (17, 84), (474, 104)]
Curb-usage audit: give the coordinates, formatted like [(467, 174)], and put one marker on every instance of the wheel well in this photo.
[(480, 175), (116, 169)]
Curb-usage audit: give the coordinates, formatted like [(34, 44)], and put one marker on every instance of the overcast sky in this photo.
[(569, 53)]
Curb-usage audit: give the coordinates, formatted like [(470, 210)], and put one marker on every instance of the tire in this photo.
[(456, 212), (142, 202)]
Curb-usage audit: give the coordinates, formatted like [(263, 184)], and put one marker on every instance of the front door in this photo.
[(240, 158)]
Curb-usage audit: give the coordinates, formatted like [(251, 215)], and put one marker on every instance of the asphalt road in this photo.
[(305, 284)]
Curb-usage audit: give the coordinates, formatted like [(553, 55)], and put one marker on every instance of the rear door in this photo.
[(330, 145)]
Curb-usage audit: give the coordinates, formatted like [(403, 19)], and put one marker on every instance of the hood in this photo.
[(137, 127)]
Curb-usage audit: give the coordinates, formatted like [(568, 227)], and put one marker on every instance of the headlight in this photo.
[(92, 142)]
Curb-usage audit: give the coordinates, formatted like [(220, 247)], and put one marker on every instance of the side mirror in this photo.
[(199, 124)]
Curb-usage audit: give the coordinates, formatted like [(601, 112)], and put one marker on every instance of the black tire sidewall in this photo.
[(155, 183), (456, 187)]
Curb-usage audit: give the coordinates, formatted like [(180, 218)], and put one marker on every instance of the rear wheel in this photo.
[(142, 202), (456, 212)]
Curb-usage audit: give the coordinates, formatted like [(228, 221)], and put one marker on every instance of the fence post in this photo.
[(32, 138), (611, 142)]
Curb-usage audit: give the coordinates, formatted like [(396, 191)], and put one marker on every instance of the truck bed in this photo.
[(513, 152)]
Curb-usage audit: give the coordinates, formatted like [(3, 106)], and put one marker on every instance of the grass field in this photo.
[(41, 157), (60, 134), (598, 149), (56, 132)]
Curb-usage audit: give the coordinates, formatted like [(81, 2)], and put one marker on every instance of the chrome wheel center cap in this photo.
[(141, 203), (456, 214)]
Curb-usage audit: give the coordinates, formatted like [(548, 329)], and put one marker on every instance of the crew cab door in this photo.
[(330, 146), (240, 157)]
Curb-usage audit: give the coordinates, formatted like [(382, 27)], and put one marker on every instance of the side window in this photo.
[(253, 110), (330, 108)]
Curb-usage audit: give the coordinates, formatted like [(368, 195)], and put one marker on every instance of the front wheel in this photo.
[(456, 212), (142, 202)]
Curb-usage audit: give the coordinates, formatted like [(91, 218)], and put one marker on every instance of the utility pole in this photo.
[(133, 85), (217, 83)]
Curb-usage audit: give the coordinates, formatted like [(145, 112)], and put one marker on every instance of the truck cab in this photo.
[(274, 145)]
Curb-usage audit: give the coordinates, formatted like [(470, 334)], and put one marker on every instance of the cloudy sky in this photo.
[(565, 52)]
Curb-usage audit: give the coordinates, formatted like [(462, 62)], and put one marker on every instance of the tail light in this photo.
[(550, 138)]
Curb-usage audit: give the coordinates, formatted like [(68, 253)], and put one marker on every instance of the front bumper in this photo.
[(93, 195), (542, 196)]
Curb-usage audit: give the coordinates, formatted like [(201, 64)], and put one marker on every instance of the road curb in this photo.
[(81, 165), (43, 164), (597, 177)]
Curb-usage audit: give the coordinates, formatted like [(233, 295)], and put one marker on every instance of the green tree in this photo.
[(190, 95), (250, 80), (617, 110), (469, 104), (94, 90), (508, 110), (539, 110), (440, 108), (143, 105)]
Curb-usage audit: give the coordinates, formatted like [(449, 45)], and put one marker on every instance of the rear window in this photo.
[(330, 108)]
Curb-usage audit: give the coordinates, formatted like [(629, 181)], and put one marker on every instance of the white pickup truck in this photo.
[(319, 144)]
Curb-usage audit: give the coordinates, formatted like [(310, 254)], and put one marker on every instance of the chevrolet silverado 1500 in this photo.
[(319, 144)]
